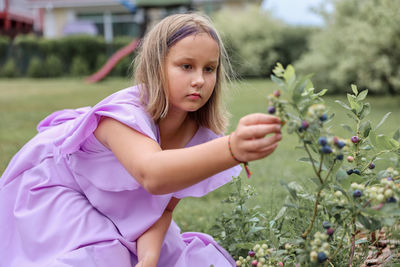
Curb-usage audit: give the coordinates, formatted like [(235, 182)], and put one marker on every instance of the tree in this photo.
[(360, 44)]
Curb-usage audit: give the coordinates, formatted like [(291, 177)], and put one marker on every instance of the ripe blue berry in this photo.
[(271, 110), (326, 149), (330, 231), (357, 171), (251, 253), (391, 200), (322, 140), (340, 144), (339, 157), (389, 178), (355, 139), (371, 165), (322, 257), (357, 193), (324, 117), (326, 224)]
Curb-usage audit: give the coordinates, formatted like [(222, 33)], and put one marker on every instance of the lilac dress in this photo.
[(65, 200)]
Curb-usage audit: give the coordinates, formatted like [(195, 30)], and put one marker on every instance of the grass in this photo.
[(24, 102)]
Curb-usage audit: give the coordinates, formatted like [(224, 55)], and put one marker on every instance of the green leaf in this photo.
[(278, 81), (361, 96), (354, 88), (382, 120), (361, 241), (364, 221), (343, 104), (365, 110), (289, 74), (323, 92), (280, 213), (290, 190), (372, 138), (396, 135), (346, 127), (385, 142), (365, 128)]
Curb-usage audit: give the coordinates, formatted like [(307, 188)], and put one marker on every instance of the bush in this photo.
[(53, 65), (36, 69), (361, 44), (255, 41), (79, 67), (4, 44), (9, 69)]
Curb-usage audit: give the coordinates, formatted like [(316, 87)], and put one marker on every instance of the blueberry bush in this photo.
[(352, 193)]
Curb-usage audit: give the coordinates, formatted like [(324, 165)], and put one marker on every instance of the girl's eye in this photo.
[(209, 69), (186, 66)]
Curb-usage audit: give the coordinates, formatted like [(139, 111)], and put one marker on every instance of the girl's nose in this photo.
[(198, 80)]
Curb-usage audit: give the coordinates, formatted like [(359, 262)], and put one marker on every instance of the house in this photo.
[(14, 19), (111, 18)]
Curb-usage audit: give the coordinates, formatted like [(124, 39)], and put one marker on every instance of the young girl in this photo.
[(97, 186)]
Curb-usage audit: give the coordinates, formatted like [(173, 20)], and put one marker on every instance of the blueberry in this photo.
[(339, 157), (277, 93), (389, 178), (324, 117), (350, 171), (371, 165), (355, 139), (391, 200), (271, 110), (326, 149), (340, 144), (322, 141), (330, 231), (254, 263), (251, 253), (357, 193), (357, 171), (322, 257), (326, 224)]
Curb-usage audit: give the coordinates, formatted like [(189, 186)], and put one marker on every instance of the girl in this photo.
[(97, 186)]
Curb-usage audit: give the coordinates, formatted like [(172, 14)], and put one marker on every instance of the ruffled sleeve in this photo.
[(79, 124), (213, 182)]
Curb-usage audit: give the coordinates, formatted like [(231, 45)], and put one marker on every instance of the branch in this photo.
[(308, 230)]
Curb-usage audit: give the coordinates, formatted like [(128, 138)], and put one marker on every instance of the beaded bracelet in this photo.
[(245, 163)]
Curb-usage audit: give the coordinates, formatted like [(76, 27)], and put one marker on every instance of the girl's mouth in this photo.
[(194, 96)]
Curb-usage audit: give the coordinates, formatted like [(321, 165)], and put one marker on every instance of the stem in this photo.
[(340, 244), (308, 230), (330, 170), (320, 164), (312, 163), (353, 241)]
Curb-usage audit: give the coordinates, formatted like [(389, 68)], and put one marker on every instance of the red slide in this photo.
[(112, 61)]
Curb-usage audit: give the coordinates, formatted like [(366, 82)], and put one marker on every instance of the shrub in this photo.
[(4, 45), (36, 69), (255, 41), (9, 69), (360, 44), (79, 67), (54, 66), (333, 221)]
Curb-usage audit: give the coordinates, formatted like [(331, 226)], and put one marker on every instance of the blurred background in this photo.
[(345, 41)]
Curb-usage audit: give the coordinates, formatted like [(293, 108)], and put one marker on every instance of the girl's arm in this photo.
[(166, 171), (149, 244)]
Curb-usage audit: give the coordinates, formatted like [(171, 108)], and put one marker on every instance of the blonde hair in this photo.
[(150, 70)]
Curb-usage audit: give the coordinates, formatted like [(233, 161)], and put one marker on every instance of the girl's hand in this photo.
[(148, 261), (248, 141)]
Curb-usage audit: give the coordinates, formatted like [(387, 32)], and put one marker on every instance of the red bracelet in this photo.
[(248, 172)]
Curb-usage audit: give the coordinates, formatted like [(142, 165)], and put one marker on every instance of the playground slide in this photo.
[(112, 61)]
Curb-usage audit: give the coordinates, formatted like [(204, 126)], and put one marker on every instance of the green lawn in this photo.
[(24, 102)]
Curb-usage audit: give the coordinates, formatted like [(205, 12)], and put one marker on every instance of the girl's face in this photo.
[(191, 69)]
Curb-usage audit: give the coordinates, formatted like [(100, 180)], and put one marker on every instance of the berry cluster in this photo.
[(383, 192), (276, 106), (256, 257), (320, 248), (333, 146)]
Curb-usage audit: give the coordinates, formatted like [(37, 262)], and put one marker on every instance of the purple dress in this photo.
[(65, 200)]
